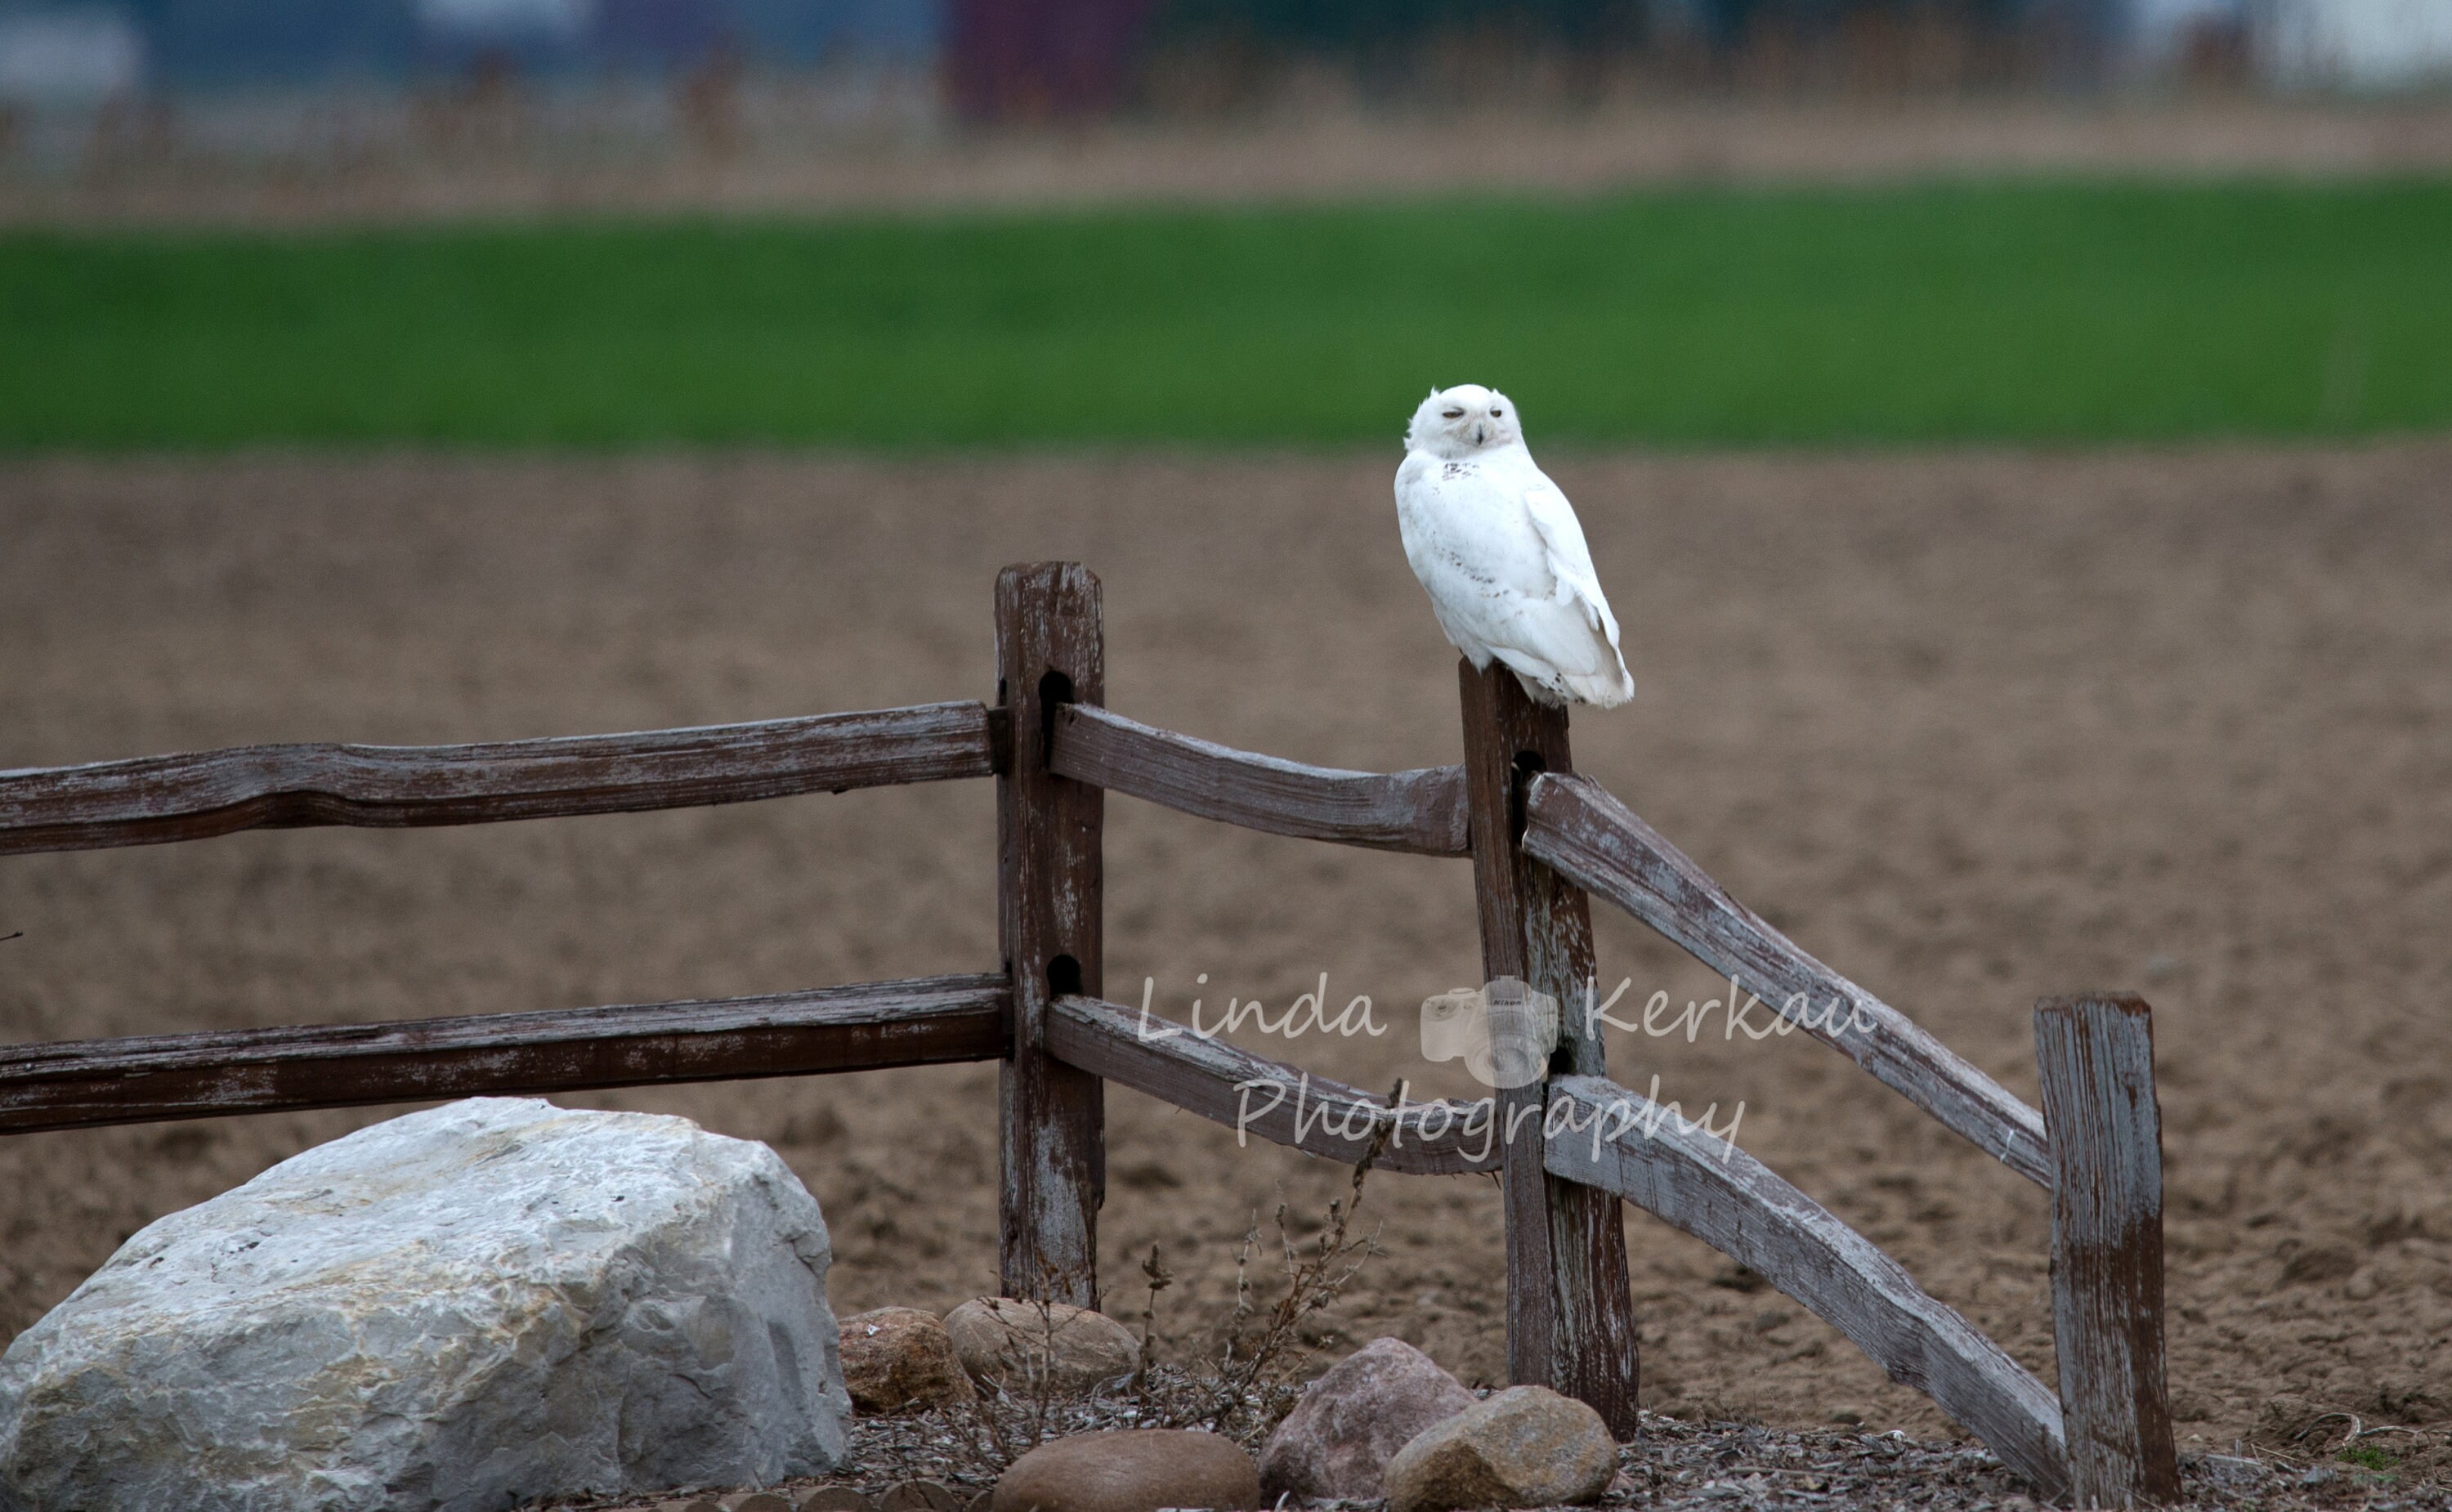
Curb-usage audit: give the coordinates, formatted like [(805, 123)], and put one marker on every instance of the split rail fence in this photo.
[(1540, 839)]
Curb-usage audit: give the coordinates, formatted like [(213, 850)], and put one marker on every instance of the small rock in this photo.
[(837, 1498), (1130, 1470), (2320, 1262), (901, 1360), (1349, 1421), (1525, 1446), (1018, 1346), (759, 1501), (2231, 1467), (921, 1496)]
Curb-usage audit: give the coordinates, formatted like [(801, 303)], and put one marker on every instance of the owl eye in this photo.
[(1453, 414), (1495, 412)]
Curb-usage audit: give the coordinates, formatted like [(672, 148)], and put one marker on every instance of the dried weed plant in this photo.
[(1241, 1386), (1252, 1376)]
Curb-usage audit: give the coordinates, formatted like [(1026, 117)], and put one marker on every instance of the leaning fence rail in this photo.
[(1576, 826), (1540, 837), (1730, 1200)]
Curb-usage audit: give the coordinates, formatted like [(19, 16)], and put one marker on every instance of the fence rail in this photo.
[(1421, 812), (867, 1026), (1734, 1203), (1539, 837), (154, 800), (1575, 825), (1242, 1090)]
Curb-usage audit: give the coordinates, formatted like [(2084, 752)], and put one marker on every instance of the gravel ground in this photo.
[(1676, 1466)]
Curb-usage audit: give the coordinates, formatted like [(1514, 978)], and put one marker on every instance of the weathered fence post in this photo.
[(1051, 650), (2097, 1058), (1569, 1316)]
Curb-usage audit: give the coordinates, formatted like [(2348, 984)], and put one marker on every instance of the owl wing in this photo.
[(1571, 560), (1510, 577)]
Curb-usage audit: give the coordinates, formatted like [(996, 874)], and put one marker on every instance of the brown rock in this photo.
[(1352, 1419), (901, 1360), (1525, 1446), (837, 1498), (921, 1496), (759, 1501), (1130, 1470), (1017, 1345)]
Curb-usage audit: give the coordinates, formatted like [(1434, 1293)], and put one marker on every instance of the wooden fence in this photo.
[(1540, 838)]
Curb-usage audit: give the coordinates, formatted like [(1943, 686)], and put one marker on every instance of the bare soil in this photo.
[(1972, 727)]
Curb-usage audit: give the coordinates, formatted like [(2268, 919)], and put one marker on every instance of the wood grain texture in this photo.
[(1280, 1103), (1575, 826), (1571, 1321), (151, 800), (1692, 1179), (83, 1083), (2097, 1058), (1420, 811), (1050, 651)]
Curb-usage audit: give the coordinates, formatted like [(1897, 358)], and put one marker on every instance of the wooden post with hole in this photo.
[(2097, 1058), (1051, 650), (1570, 1314)]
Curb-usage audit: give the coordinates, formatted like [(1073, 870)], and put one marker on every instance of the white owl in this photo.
[(1500, 553)]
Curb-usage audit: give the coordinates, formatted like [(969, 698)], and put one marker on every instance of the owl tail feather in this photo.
[(1558, 688), (1605, 691)]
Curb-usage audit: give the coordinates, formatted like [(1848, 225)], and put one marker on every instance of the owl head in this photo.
[(1455, 423)]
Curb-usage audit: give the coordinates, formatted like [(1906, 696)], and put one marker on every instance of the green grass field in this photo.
[(2035, 312)]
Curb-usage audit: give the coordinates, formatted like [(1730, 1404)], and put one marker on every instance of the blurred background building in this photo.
[(258, 76)]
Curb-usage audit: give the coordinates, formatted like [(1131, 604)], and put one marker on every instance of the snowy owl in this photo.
[(1500, 553)]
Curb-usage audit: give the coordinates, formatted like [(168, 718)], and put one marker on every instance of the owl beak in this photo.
[(1480, 435)]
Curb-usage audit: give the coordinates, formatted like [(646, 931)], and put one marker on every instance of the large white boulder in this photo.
[(464, 1308)]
